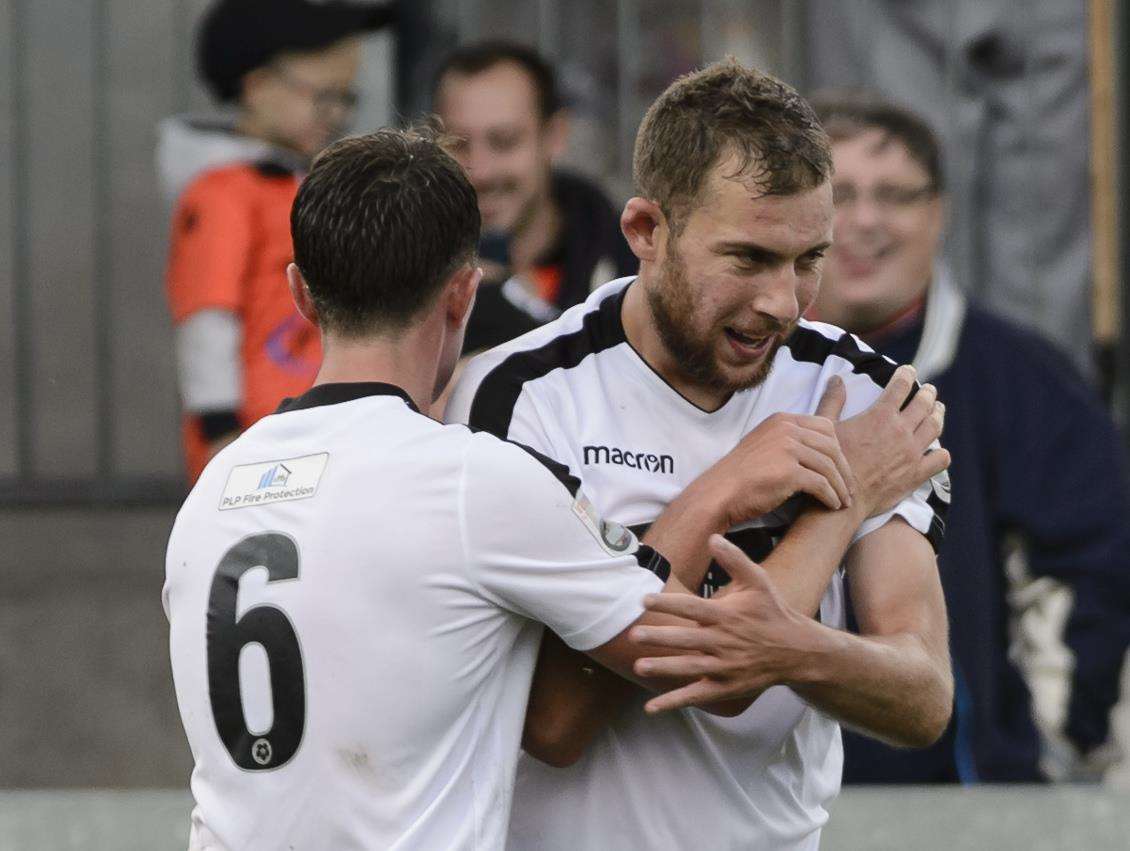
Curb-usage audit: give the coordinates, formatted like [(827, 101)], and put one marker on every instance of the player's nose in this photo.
[(776, 295)]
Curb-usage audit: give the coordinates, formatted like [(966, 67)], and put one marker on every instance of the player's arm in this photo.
[(571, 701), (893, 681)]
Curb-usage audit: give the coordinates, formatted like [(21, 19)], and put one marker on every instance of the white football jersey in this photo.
[(354, 594), (577, 391)]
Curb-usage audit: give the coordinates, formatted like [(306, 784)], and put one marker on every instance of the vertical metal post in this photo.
[(182, 69), (21, 297), (628, 55), (467, 17), (549, 34), (708, 28), (102, 271), (1122, 64), (794, 61)]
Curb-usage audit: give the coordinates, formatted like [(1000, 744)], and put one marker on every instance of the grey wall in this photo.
[(86, 696), (82, 238), (90, 466)]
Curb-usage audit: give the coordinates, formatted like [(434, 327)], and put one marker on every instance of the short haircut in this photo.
[(846, 113), (722, 110), (481, 56), (380, 222)]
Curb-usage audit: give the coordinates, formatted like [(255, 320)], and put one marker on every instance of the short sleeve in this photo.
[(535, 546), (865, 373), (210, 247)]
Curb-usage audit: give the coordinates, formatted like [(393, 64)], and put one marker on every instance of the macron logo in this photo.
[(626, 458)]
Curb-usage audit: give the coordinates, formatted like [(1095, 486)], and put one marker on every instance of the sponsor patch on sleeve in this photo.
[(613, 537), (269, 482)]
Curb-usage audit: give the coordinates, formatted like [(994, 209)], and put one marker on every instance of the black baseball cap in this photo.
[(237, 36)]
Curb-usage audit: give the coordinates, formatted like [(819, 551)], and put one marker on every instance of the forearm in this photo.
[(681, 532), (572, 697), (803, 563), (890, 687)]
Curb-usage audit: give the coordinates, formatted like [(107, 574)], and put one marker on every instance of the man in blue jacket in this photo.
[(1037, 460)]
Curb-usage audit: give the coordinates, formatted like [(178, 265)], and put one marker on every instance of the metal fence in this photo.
[(93, 416)]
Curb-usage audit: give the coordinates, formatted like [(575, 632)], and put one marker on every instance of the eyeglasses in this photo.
[(887, 197), (325, 100)]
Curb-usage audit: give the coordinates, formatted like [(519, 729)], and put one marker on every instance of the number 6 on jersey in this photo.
[(270, 627)]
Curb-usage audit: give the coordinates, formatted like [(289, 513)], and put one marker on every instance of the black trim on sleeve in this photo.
[(217, 424), (937, 532), (560, 471), (654, 561), (497, 394), (811, 346)]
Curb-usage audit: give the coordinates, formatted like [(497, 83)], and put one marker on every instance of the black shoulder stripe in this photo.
[(937, 531), (493, 405), (813, 347), (560, 471)]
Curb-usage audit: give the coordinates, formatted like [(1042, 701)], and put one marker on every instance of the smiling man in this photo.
[(704, 351), (549, 236), (1038, 466)]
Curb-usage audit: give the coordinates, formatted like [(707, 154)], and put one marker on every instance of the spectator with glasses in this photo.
[(288, 69), (1039, 476)]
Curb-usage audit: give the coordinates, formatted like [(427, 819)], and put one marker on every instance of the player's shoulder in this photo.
[(495, 378), (833, 350), (508, 468)]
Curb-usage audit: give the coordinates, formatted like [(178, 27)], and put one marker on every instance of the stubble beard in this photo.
[(672, 305)]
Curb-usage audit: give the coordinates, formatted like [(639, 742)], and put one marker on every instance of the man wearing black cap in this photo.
[(287, 70)]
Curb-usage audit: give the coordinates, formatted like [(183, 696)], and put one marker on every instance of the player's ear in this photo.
[(254, 87), (556, 132), (461, 291), (643, 224), (301, 294), (938, 210)]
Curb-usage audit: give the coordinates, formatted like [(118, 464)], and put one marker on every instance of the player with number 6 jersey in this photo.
[(354, 594)]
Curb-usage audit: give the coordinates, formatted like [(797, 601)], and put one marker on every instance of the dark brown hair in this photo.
[(470, 59), (379, 224), (846, 113), (722, 110)]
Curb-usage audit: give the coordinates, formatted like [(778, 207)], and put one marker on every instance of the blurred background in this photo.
[(1026, 96)]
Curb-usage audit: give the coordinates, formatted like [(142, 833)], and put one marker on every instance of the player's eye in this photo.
[(503, 143), (810, 261)]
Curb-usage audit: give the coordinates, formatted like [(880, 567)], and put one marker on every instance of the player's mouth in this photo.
[(749, 347)]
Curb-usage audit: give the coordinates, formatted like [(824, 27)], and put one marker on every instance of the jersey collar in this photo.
[(335, 393)]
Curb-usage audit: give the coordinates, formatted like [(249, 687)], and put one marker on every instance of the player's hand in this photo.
[(786, 454), (888, 444), (746, 641)]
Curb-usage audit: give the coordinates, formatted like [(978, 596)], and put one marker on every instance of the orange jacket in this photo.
[(229, 250)]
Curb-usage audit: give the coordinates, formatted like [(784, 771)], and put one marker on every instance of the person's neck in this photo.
[(643, 336), (406, 361), (535, 236), (895, 323)]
